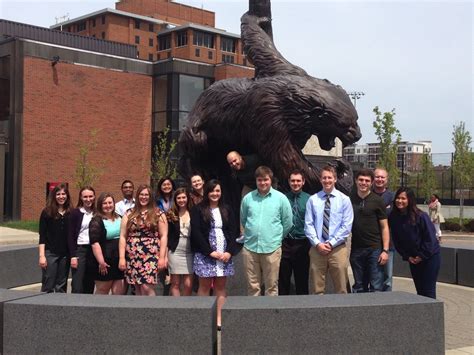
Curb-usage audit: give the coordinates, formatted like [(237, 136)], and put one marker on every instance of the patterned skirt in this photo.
[(142, 260)]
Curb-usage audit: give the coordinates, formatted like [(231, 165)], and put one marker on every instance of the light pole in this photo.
[(356, 95)]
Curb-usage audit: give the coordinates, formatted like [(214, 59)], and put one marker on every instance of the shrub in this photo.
[(469, 226), (452, 226)]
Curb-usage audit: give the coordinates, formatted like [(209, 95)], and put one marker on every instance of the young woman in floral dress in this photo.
[(143, 243)]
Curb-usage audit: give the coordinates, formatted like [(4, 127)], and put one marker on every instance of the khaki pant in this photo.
[(335, 262), (262, 266)]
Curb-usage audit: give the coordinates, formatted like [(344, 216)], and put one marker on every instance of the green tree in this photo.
[(427, 177), (87, 173), (162, 165), (463, 162), (389, 137)]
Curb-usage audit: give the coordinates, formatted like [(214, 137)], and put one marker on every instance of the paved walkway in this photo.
[(458, 300)]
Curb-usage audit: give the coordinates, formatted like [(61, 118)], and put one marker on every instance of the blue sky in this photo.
[(416, 57)]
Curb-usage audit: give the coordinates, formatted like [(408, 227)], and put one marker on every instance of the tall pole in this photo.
[(356, 95)]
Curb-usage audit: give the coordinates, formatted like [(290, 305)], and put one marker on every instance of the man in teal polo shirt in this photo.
[(265, 215)]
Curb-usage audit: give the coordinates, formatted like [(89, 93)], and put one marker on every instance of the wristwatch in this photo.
[(384, 251)]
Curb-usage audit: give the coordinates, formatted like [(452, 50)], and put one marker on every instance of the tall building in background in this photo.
[(408, 154)]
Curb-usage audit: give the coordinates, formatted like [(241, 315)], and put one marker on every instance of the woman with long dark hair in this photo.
[(164, 196), (213, 234), (79, 244), (415, 239), (53, 233), (143, 243), (180, 256), (104, 233)]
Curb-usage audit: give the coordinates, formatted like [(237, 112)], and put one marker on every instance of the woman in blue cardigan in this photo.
[(414, 237)]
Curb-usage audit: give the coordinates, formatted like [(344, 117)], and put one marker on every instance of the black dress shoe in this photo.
[(219, 328)]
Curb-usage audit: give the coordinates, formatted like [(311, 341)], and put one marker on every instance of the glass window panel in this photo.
[(160, 93), (190, 87), (159, 122)]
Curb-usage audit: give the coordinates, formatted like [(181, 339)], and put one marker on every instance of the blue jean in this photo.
[(425, 275), (388, 271), (368, 273)]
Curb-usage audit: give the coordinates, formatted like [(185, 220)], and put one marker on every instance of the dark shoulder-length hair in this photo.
[(52, 206), (204, 206), (413, 211), (80, 203), (100, 201), (159, 193)]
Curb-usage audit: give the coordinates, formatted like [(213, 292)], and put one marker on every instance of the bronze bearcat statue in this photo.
[(272, 115)]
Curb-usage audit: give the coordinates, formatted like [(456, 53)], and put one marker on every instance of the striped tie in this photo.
[(327, 213)]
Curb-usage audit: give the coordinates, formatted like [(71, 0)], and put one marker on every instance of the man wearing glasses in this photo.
[(328, 222), (370, 236)]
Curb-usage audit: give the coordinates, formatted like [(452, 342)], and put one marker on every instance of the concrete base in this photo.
[(447, 271), (465, 267), (60, 324), (19, 266), (388, 322)]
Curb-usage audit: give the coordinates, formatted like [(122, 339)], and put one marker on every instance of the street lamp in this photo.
[(356, 95)]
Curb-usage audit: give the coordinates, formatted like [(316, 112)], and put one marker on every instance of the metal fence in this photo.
[(447, 183)]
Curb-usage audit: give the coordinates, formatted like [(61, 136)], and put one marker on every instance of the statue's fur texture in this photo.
[(272, 115)]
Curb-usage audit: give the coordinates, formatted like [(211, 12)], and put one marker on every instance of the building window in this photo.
[(103, 35), (103, 19), (93, 22), (93, 36), (151, 28), (164, 42), (203, 39), (137, 39), (150, 42), (227, 58), (244, 61), (150, 56), (190, 87), (68, 28), (209, 54), (197, 52), (409, 149), (81, 26), (181, 38), (227, 44), (137, 24)]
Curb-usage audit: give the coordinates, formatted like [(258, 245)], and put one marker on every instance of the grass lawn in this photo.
[(26, 225)]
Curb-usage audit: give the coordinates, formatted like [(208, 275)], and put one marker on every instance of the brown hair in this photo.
[(173, 212), (330, 169), (80, 203), (151, 218), (52, 206), (100, 201), (365, 172), (262, 171)]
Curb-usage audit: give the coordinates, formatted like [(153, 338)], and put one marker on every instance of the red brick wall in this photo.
[(168, 11), (62, 104), (226, 71)]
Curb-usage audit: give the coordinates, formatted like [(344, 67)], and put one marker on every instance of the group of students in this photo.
[(188, 232)]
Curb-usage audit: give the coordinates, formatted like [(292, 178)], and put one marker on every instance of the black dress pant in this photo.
[(294, 260), (54, 278), (83, 276)]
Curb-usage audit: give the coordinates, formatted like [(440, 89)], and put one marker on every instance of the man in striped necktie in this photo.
[(328, 223)]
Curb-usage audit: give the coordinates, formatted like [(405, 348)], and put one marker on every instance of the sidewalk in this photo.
[(10, 236)]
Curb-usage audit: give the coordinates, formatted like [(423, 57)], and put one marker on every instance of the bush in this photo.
[(452, 226), (469, 226)]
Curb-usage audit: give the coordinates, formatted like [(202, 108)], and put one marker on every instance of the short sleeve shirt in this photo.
[(368, 212)]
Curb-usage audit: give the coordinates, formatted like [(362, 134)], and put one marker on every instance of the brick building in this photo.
[(161, 29), (58, 86)]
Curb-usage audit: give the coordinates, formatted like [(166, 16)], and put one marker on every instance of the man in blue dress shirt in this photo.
[(266, 217), (328, 223)]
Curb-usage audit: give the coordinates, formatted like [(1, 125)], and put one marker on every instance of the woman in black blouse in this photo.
[(53, 231)]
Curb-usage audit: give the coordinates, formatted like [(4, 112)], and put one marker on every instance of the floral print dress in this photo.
[(142, 251)]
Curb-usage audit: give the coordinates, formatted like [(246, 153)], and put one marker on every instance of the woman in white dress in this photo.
[(180, 256)]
